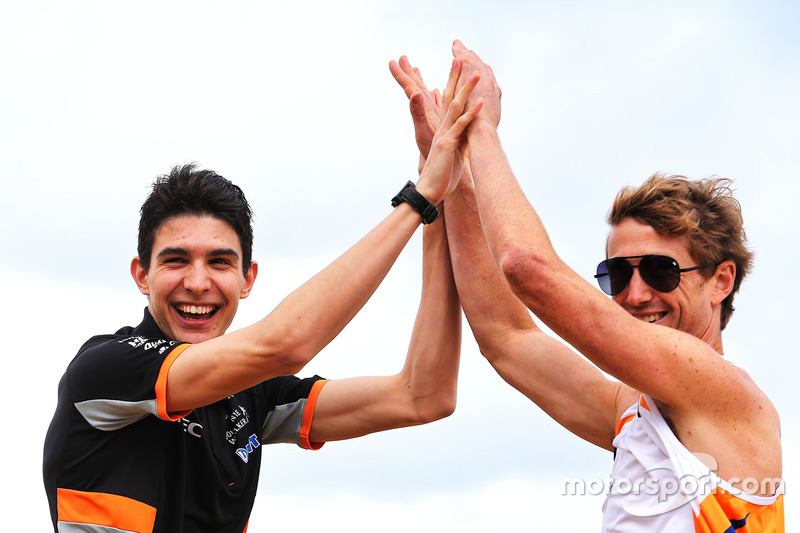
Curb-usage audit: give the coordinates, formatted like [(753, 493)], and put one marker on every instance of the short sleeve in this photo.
[(291, 412), (114, 382)]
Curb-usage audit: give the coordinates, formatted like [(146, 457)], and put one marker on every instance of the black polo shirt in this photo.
[(115, 458)]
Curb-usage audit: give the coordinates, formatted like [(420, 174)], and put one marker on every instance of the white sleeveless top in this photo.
[(659, 485)]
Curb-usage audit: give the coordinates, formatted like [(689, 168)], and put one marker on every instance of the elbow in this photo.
[(445, 408), (281, 362), (490, 352), (434, 409), (522, 269), (293, 363), (289, 352)]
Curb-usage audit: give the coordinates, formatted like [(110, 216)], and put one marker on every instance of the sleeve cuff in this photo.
[(308, 416), (161, 386)]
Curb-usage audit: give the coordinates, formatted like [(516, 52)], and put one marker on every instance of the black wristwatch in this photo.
[(420, 204)]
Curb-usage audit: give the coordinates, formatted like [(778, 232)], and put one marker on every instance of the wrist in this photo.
[(481, 127), (426, 192), (417, 200)]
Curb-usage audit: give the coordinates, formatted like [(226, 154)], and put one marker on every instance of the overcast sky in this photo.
[(294, 102)]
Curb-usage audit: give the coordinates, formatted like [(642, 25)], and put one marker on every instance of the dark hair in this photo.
[(187, 190), (703, 210)]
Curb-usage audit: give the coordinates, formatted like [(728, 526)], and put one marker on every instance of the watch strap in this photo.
[(420, 204)]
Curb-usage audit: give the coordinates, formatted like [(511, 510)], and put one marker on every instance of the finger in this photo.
[(452, 81), (403, 79), (412, 72), (456, 108), (405, 64), (462, 96), (465, 119), (417, 104)]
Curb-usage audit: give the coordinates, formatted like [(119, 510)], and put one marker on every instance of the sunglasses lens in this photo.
[(660, 272), (613, 275)]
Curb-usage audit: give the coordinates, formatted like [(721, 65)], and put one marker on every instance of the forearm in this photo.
[(510, 223), (431, 368), (425, 389), (492, 309), (298, 328), (310, 317), (537, 365)]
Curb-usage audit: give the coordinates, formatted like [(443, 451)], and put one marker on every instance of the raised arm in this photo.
[(425, 389), (671, 366), (284, 341), (562, 383), (566, 386)]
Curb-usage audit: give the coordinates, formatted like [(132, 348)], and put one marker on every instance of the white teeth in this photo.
[(195, 309), (649, 318)]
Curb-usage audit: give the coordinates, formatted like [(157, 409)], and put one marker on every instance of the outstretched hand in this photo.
[(444, 164), (487, 89), (425, 104)]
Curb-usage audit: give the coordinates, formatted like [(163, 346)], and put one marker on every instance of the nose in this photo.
[(197, 280), (637, 292)]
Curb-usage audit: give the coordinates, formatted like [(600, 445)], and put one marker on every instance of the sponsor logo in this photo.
[(236, 421), (252, 444), (192, 428), (148, 344)]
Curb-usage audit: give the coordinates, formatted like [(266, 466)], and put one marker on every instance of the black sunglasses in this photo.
[(659, 271)]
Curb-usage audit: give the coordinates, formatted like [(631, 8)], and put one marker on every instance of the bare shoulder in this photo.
[(743, 433), (756, 401)]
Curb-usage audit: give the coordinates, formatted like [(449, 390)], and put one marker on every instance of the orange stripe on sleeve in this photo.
[(161, 386), (111, 510), (308, 415)]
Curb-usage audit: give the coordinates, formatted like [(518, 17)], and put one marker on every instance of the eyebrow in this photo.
[(177, 250)]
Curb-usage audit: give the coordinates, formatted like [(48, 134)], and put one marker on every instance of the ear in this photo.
[(722, 281), (140, 276), (249, 280)]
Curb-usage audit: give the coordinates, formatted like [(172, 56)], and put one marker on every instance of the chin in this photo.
[(194, 337)]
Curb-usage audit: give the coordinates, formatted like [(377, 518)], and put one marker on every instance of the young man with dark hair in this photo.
[(159, 428), (696, 443)]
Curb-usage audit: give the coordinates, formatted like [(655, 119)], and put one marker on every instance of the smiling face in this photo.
[(195, 279), (693, 307)]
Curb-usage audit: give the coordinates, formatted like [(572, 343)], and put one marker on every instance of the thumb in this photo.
[(417, 105)]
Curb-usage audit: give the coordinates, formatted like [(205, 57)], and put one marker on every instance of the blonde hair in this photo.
[(703, 210)]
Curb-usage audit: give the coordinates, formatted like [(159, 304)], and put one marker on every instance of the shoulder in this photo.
[(754, 398)]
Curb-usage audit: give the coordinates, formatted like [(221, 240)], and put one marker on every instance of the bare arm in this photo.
[(671, 366), (562, 383), (284, 341), (425, 389)]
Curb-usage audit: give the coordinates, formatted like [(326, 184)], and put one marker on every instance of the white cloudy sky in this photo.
[(294, 102)]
